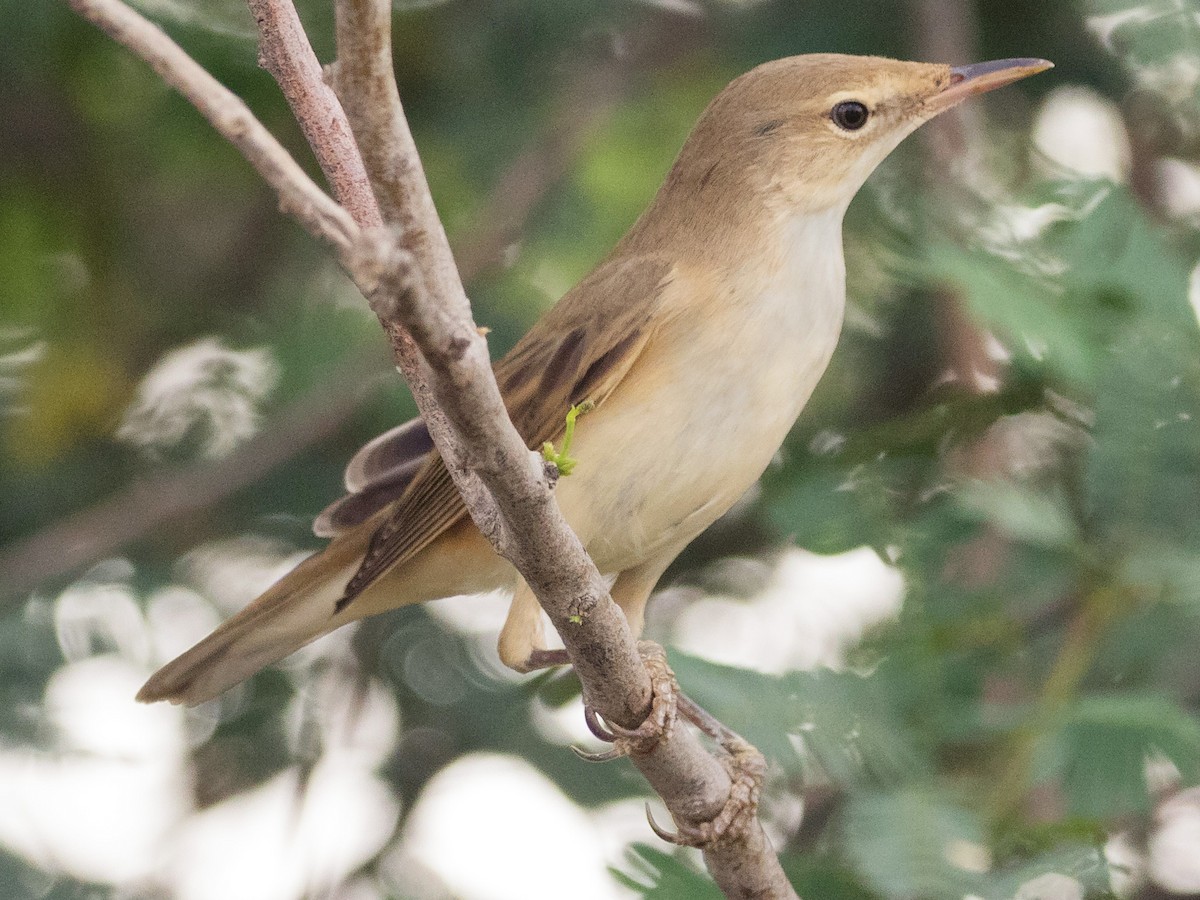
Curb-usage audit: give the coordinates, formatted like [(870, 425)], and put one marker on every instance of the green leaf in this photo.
[(1035, 517), (660, 876), (916, 844), (1106, 743), (838, 724), (1086, 864)]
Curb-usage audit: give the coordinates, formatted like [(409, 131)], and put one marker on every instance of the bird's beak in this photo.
[(966, 81)]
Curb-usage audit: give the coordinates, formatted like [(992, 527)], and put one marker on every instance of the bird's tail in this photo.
[(297, 609)]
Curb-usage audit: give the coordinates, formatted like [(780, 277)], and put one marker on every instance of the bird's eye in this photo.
[(850, 115)]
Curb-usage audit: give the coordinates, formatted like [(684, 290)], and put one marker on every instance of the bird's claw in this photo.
[(747, 768), (596, 727), (657, 726), (603, 756)]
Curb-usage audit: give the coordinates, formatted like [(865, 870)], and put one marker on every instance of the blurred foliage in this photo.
[(1047, 524)]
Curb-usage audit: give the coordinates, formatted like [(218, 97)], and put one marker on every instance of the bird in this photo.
[(693, 347)]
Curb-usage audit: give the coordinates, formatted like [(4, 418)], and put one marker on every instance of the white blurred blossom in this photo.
[(479, 618), (1106, 26), (234, 571), (1029, 444), (1162, 775), (1194, 291), (1079, 131), (1051, 886), (686, 7), (1166, 854), (1014, 231), (1179, 189), (815, 610), (968, 856), (14, 362), (1176, 79), (99, 613), (286, 839), (204, 391), (525, 839), (1174, 76), (1126, 865), (176, 618), (1174, 846), (107, 799), (99, 805), (89, 704), (224, 17), (357, 720)]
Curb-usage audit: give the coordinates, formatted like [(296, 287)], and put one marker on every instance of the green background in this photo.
[(1047, 527)]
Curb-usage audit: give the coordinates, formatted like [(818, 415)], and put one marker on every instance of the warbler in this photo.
[(694, 344)]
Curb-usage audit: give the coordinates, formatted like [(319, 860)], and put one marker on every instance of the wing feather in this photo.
[(394, 449), (578, 351)]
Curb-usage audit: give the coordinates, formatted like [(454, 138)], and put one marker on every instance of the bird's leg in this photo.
[(545, 659), (746, 767), (664, 697), (522, 637), (743, 762)]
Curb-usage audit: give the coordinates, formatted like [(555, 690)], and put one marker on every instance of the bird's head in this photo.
[(809, 129)]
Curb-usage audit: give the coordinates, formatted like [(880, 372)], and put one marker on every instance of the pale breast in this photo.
[(706, 406)]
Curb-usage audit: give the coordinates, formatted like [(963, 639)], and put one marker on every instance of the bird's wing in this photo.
[(580, 350), (376, 475)]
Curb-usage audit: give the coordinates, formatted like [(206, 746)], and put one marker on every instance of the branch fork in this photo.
[(408, 273)]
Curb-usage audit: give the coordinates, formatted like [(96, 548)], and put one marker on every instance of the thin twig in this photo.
[(163, 498), (409, 275), (285, 52), (366, 86), (421, 288), (556, 565), (368, 91), (299, 196)]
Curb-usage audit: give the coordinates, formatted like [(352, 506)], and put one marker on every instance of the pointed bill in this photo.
[(966, 81)]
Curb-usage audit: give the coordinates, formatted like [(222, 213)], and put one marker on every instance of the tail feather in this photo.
[(296, 610), (304, 604)]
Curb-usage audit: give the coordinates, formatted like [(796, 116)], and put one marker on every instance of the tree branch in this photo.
[(408, 274), (299, 196), (503, 482), (163, 498), (284, 51)]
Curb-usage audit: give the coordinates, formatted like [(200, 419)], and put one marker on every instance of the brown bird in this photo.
[(698, 340)]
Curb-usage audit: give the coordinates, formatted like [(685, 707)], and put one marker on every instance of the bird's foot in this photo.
[(745, 764), (746, 768), (657, 726)]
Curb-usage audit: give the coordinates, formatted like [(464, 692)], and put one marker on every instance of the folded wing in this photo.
[(580, 350)]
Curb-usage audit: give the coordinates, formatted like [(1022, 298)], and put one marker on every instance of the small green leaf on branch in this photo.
[(563, 460)]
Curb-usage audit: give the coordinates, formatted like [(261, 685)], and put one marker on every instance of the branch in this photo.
[(408, 273), (946, 31), (168, 497), (299, 196), (419, 287), (284, 51)]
